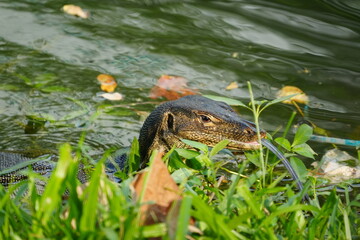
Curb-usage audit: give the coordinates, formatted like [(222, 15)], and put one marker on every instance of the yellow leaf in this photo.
[(108, 83), (290, 90), (232, 85), (75, 11)]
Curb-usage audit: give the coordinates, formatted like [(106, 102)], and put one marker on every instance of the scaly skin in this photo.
[(199, 119)]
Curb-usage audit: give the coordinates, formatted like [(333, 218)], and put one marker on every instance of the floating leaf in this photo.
[(171, 88), (301, 97), (112, 96), (75, 11), (232, 85), (108, 83)]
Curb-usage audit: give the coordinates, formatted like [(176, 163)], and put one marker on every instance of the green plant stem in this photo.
[(256, 119), (289, 123)]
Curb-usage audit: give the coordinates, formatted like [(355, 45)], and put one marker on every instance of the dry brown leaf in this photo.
[(171, 88), (108, 83), (112, 96), (232, 85), (75, 11), (161, 190), (290, 90)]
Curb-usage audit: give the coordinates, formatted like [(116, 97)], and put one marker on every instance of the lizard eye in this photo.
[(205, 119)]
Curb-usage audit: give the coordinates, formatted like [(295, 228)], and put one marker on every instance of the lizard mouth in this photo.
[(238, 145)]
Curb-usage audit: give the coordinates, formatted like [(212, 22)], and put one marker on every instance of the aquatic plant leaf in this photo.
[(302, 135), (50, 89), (26, 80), (9, 87), (43, 79), (74, 114)]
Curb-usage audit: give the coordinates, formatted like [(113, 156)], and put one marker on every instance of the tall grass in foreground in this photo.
[(244, 209), (250, 205)]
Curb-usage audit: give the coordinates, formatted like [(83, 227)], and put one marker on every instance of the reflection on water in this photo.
[(315, 46)]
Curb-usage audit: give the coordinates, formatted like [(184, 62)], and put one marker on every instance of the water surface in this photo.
[(314, 45)]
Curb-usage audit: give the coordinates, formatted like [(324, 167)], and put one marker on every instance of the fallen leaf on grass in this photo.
[(171, 88), (112, 96), (108, 83), (161, 192), (75, 11), (290, 90), (232, 85)]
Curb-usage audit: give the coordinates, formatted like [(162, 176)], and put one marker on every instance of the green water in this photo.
[(314, 45)]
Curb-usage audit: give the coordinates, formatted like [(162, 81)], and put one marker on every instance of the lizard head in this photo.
[(199, 119)]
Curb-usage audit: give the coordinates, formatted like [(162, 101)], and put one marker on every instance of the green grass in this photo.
[(253, 204), (243, 209)]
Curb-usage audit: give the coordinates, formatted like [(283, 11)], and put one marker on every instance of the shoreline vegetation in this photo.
[(213, 202)]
